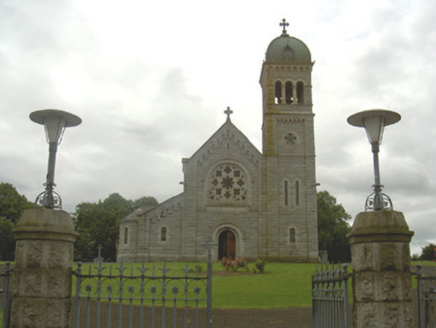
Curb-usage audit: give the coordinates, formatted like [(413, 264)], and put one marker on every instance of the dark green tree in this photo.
[(428, 253), (7, 242), (145, 202), (98, 224), (12, 205), (333, 228)]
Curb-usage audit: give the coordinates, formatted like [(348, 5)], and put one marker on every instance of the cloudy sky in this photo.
[(151, 79)]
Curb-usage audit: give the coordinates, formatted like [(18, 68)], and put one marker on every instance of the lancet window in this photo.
[(126, 235), (297, 192), (278, 92), (292, 235), (286, 192), (163, 234), (289, 92), (300, 92)]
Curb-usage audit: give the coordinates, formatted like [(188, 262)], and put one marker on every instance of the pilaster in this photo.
[(42, 277), (381, 266)]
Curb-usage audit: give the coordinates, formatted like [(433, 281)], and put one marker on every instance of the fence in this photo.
[(143, 296), (5, 295), (330, 297), (426, 287)]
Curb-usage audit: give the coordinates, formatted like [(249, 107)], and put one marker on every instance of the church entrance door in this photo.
[(227, 245)]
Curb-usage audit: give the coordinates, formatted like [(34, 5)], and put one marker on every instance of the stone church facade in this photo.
[(252, 204)]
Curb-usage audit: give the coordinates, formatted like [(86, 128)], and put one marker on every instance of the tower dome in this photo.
[(286, 49)]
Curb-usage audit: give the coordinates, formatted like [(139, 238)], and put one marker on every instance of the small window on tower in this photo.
[(297, 192), (278, 92), (286, 192), (292, 235), (289, 90), (300, 92)]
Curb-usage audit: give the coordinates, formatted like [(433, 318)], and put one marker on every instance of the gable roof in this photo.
[(230, 133), (161, 210)]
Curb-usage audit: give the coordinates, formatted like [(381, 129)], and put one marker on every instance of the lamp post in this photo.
[(374, 122), (55, 122)]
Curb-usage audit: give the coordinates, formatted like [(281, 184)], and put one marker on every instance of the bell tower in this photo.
[(289, 150)]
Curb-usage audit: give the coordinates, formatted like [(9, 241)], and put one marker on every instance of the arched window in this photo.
[(288, 91), (126, 235), (300, 92), (278, 92), (227, 183), (286, 192), (163, 234), (297, 192), (292, 235)]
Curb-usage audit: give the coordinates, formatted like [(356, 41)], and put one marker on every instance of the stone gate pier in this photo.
[(43, 269), (381, 265)]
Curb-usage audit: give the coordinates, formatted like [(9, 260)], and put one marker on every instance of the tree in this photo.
[(428, 253), (98, 224), (333, 228), (12, 205), (145, 202), (7, 242)]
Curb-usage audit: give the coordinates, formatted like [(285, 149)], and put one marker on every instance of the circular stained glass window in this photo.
[(227, 183)]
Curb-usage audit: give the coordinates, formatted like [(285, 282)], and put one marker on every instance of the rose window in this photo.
[(291, 138), (227, 183)]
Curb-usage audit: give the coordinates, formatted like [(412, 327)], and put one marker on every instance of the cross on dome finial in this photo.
[(228, 112), (284, 24)]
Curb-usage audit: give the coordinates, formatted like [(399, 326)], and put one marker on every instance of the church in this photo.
[(251, 204)]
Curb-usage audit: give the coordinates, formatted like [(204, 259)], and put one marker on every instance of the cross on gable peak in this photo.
[(228, 112), (284, 24)]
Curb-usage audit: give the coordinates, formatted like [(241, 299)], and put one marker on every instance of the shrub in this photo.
[(260, 265), (233, 265)]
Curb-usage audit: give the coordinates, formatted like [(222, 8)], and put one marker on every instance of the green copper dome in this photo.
[(287, 50)]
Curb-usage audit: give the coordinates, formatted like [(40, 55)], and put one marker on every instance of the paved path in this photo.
[(270, 318)]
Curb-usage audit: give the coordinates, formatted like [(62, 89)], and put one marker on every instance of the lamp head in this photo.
[(374, 121), (55, 121)]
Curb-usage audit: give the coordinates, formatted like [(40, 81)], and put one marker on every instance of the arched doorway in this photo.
[(226, 245)]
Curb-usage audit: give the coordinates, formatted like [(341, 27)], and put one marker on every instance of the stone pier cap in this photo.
[(380, 226), (44, 223)]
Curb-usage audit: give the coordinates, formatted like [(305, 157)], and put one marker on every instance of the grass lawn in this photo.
[(283, 285), (423, 263)]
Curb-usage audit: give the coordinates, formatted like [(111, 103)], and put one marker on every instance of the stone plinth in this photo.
[(41, 281), (381, 264)]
